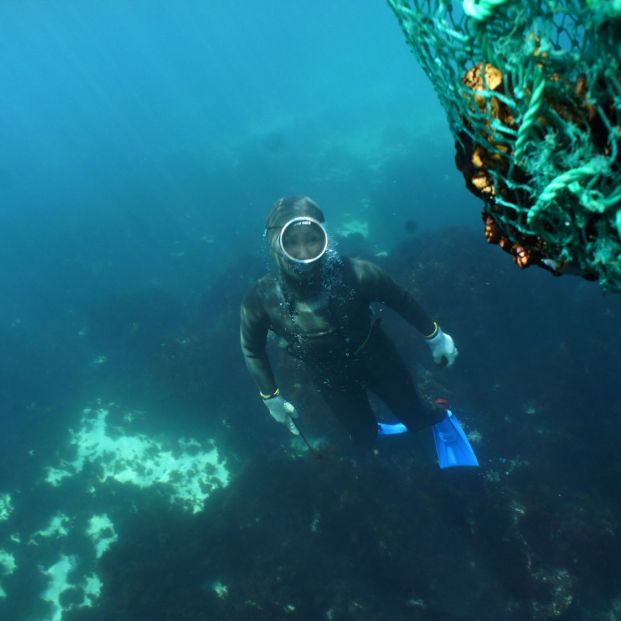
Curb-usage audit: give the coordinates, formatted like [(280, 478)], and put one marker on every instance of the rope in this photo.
[(562, 182), (531, 115), (481, 10), (611, 7)]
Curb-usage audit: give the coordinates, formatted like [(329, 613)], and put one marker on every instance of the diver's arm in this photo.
[(254, 326), (377, 286)]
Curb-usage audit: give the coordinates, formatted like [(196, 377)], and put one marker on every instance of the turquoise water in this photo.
[(143, 144)]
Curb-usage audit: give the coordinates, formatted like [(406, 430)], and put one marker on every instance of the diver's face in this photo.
[(303, 241)]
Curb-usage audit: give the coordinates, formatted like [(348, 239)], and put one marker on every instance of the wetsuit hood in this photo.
[(283, 211)]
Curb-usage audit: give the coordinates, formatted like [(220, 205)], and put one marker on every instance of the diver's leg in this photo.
[(350, 404), (390, 380)]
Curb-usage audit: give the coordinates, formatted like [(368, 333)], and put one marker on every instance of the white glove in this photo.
[(283, 412), (442, 348)]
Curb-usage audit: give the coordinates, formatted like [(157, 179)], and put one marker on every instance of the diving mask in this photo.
[(303, 240)]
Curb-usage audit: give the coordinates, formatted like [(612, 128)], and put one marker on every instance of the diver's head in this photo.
[(295, 235)]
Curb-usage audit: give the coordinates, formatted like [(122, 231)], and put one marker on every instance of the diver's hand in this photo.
[(283, 412), (442, 348)]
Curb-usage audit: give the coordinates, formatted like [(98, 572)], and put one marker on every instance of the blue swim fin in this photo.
[(390, 429), (452, 445)]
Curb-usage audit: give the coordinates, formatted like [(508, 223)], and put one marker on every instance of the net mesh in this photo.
[(532, 92)]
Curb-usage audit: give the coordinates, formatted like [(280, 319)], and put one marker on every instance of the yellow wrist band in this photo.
[(436, 328), (274, 394)]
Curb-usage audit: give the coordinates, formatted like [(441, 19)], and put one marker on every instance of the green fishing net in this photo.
[(532, 91)]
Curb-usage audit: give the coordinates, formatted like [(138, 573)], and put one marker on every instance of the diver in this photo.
[(320, 303)]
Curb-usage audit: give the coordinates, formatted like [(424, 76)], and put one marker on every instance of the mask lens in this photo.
[(303, 240)]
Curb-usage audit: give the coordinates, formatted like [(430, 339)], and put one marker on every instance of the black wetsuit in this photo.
[(327, 322)]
